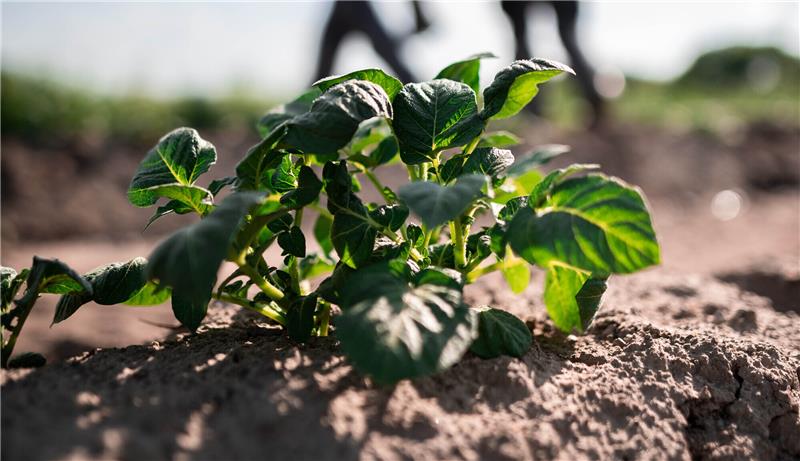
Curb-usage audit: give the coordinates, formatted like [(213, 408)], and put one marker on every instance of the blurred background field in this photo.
[(702, 111)]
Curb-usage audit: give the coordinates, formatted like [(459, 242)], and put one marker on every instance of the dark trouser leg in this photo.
[(567, 14), (386, 46), (335, 31)]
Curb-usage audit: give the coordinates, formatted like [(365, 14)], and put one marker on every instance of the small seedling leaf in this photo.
[(500, 333), (436, 204)]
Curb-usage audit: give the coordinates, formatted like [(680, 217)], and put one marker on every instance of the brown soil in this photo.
[(674, 367)]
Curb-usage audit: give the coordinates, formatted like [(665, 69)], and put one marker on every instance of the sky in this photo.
[(271, 48)]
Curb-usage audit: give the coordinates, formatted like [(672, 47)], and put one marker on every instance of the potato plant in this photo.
[(393, 272)]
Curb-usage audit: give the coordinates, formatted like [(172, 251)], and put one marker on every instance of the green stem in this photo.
[(294, 269), (324, 319), (378, 185), (8, 347), (481, 271), (251, 230), (263, 309), (321, 210), (472, 145), (459, 243), (412, 172), (269, 289)]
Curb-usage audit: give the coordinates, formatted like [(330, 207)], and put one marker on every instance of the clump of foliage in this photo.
[(395, 269)]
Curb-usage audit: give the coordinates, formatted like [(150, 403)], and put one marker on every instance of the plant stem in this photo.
[(269, 289), (481, 271), (251, 230), (378, 185), (472, 145), (324, 319), (8, 347), (459, 243), (294, 269), (263, 309), (412, 172), (321, 210)]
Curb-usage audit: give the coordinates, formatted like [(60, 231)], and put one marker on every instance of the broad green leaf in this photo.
[(432, 116), (517, 273), (499, 139), (111, 284), (293, 242), (385, 152), (307, 191), (284, 177), (540, 156), (542, 190), (500, 333), (285, 112), (313, 266), (322, 232), (490, 161), (189, 259), (300, 318), (593, 223), (151, 294), (516, 85), (436, 204), (177, 207), (53, 276), (442, 276), (195, 198), (369, 132), (218, 184), (254, 171), (334, 117), (390, 85), (466, 71), (572, 297), (180, 158), (352, 236), (391, 216), (392, 331)]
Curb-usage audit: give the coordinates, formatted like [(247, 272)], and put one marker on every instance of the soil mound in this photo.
[(674, 367)]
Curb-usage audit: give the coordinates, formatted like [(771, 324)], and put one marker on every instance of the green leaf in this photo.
[(517, 274), (255, 169), (322, 232), (500, 333), (432, 116), (392, 331), (511, 208), (386, 151), (285, 112), (313, 266), (594, 223), (177, 207), (151, 294), (442, 276), (369, 132), (490, 161), (352, 236), (218, 184), (572, 297), (466, 71), (540, 156), (189, 259), (195, 198), (542, 190), (179, 158), (334, 117), (53, 276), (499, 139), (111, 284), (284, 177), (516, 85), (391, 216), (300, 318), (390, 85), (307, 191), (293, 242), (436, 204)]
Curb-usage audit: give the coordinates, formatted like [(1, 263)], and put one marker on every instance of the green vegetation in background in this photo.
[(723, 89), (42, 111)]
